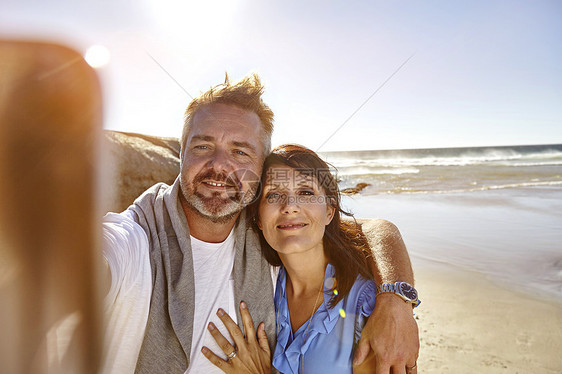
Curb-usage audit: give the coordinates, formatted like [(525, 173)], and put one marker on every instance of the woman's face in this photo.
[(293, 211)]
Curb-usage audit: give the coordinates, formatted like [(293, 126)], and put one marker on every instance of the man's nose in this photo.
[(220, 161)]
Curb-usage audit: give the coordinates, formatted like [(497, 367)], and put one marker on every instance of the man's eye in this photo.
[(200, 147), (306, 192), (240, 153)]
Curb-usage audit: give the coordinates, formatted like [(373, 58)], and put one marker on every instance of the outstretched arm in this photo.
[(391, 332)]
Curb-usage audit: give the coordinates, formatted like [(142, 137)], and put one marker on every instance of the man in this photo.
[(180, 252)]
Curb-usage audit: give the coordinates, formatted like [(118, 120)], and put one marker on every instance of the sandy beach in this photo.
[(488, 270), (469, 325)]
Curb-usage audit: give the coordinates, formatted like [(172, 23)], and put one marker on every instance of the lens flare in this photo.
[(97, 56)]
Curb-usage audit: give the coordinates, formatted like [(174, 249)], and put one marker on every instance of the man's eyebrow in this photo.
[(206, 138), (210, 138)]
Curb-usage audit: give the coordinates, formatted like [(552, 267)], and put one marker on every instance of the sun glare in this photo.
[(97, 56), (195, 23)]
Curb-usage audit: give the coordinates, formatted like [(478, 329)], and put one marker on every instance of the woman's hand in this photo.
[(249, 355)]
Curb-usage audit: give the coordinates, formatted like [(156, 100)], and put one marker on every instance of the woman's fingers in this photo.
[(248, 322), (262, 338), (232, 328), (249, 356), (225, 345), (216, 360)]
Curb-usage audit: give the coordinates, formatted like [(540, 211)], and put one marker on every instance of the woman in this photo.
[(324, 293)]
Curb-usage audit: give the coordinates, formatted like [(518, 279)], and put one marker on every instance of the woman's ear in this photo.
[(330, 211)]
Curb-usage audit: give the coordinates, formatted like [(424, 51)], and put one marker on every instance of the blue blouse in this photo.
[(333, 332)]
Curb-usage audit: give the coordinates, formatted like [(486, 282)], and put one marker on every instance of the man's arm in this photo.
[(391, 260), (391, 331)]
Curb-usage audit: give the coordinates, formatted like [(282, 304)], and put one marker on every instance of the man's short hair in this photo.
[(244, 94)]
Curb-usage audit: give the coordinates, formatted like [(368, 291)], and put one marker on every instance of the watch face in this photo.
[(408, 291)]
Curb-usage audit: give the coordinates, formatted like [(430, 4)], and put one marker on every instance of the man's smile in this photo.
[(218, 184)]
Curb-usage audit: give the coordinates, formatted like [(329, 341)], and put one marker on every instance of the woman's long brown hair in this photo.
[(345, 245)]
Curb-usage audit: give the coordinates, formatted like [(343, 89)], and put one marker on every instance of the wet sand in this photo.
[(488, 267)]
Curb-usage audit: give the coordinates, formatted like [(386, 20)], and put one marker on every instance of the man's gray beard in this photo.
[(199, 204)]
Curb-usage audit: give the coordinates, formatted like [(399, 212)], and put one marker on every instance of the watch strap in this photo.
[(388, 287), (395, 288)]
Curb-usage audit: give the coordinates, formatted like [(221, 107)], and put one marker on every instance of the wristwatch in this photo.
[(402, 289)]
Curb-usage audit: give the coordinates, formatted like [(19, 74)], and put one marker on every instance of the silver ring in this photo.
[(231, 355), (408, 368)]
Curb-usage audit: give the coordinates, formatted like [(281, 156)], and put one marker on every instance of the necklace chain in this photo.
[(309, 320)]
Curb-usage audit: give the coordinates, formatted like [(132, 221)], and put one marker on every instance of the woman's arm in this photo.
[(391, 332), (249, 355)]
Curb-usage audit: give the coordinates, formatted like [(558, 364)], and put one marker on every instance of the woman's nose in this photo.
[(291, 205)]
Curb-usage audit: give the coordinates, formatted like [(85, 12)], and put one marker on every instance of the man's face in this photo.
[(221, 161)]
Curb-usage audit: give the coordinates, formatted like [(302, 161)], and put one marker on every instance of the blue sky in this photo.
[(480, 73)]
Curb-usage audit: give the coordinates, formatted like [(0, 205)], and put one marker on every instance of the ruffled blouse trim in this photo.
[(323, 322), (366, 300), (365, 306)]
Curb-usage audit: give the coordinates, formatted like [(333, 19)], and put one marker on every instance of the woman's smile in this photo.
[(291, 226)]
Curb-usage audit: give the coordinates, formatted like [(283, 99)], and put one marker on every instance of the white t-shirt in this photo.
[(214, 289), (127, 304)]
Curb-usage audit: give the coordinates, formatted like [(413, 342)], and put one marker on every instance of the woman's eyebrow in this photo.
[(306, 181), (271, 186)]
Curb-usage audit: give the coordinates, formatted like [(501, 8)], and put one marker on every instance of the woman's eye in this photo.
[(273, 197), (306, 192)]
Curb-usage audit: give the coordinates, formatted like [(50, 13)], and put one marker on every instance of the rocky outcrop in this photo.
[(354, 190), (131, 163)]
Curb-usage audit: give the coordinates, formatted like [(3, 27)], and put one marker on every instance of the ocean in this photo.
[(493, 210), (447, 170)]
